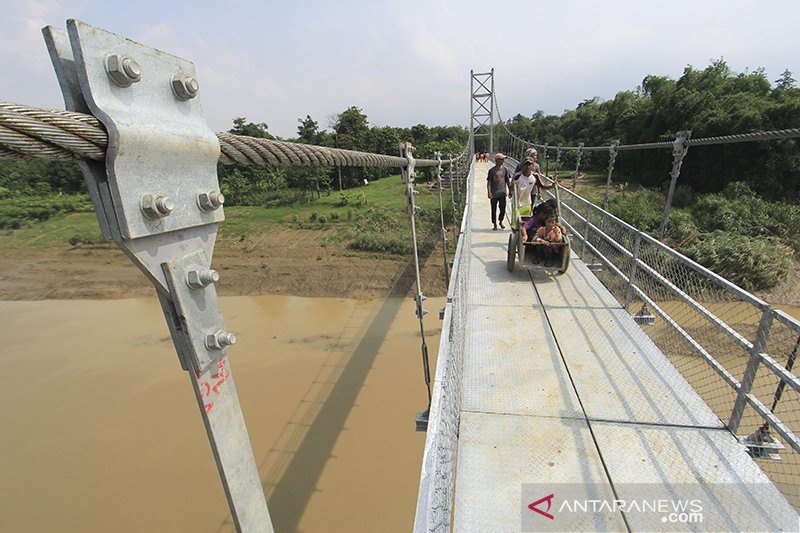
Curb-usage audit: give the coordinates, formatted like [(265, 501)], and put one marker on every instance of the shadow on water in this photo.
[(292, 492)]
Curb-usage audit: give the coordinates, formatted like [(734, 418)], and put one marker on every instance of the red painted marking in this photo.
[(218, 379)]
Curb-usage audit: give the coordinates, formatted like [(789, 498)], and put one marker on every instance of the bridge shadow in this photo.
[(311, 442)]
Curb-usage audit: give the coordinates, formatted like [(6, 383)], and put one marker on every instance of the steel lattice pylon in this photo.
[(481, 106)]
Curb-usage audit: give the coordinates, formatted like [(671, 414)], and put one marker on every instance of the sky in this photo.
[(407, 63)]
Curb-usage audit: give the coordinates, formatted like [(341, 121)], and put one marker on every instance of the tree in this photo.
[(352, 129), (250, 129), (352, 133), (786, 81), (308, 130), (244, 184)]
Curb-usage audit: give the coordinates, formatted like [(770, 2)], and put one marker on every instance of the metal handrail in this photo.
[(757, 356)]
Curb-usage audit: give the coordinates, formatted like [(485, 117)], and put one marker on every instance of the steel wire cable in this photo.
[(702, 141), (27, 132)]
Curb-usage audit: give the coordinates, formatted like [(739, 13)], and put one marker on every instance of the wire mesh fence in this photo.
[(707, 328), (437, 481)]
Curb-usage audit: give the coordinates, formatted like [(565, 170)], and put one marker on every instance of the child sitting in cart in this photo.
[(536, 221), (549, 237)]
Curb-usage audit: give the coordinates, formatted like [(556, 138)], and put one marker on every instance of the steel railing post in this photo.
[(585, 243), (634, 264), (760, 342)]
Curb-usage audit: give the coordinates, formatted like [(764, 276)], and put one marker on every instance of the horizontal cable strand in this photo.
[(63, 135), (27, 132)]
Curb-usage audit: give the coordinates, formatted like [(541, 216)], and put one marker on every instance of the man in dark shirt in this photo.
[(497, 183)]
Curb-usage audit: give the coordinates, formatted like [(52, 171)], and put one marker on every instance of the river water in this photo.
[(101, 432)]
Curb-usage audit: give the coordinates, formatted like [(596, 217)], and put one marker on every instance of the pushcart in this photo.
[(524, 252)]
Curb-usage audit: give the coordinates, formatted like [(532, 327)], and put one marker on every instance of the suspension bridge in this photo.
[(563, 402)]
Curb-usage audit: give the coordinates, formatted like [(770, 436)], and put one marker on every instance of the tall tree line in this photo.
[(711, 102)]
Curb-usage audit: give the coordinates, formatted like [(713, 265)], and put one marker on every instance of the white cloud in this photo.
[(409, 63)]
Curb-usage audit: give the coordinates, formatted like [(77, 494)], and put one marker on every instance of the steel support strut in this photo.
[(679, 148), (577, 167), (439, 173), (157, 197), (612, 157), (407, 151)]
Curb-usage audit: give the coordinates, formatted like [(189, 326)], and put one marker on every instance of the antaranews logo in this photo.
[(546, 513), (673, 507)]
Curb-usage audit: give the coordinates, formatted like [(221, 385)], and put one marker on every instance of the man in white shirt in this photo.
[(525, 180)]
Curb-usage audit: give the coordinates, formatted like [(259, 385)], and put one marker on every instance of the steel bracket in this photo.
[(157, 197), (161, 155), (407, 151), (197, 309)]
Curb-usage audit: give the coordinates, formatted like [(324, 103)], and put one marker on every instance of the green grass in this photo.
[(339, 215), (376, 209), (58, 230)]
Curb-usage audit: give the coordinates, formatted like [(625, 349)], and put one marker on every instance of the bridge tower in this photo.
[(481, 107)]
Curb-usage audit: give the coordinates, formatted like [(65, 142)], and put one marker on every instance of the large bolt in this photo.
[(123, 70), (210, 200), (155, 206), (201, 278), (219, 339), (184, 86)]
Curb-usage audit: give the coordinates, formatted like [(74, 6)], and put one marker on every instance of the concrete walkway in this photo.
[(561, 386)]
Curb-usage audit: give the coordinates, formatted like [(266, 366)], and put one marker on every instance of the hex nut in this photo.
[(123, 70), (219, 339), (155, 206), (201, 278), (210, 200), (184, 86)]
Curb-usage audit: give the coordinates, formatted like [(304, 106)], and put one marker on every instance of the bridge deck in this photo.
[(562, 386)]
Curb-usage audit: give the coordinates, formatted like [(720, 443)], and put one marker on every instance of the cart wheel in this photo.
[(512, 252), (565, 253)]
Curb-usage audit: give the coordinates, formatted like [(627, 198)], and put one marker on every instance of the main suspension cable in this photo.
[(27, 132)]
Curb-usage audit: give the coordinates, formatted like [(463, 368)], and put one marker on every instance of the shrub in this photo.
[(32, 208), (322, 219), (682, 197), (313, 216), (736, 190), (788, 216), (754, 263), (282, 197), (642, 210), (716, 212), (85, 238), (680, 227), (378, 242)]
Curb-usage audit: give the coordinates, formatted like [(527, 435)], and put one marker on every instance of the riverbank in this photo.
[(287, 261)]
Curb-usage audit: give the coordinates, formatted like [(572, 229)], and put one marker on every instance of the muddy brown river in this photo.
[(101, 432)]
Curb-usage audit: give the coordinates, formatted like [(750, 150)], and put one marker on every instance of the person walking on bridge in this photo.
[(497, 182), (525, 180), (533, 155)]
